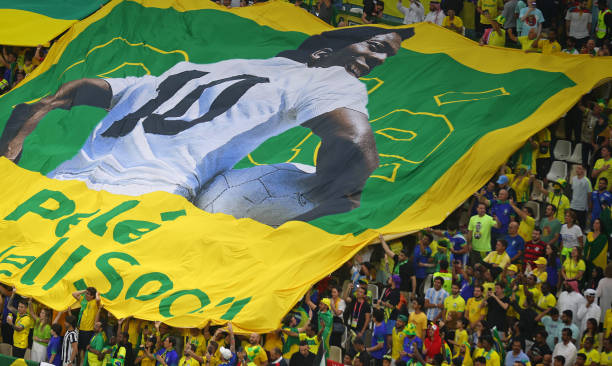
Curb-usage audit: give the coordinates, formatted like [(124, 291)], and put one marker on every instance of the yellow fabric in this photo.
[(461, 337), (273, 340), (453, 304), (420, 320), (493, 6), (267, 246), (20, 338), (542, 277), (520, 186), (606, 173), (145, 360), (457, 22), (526, 43), (592, 356), (543, 136), (313, 342), (501, 260), (572, 268), (526, 228), (523, 299), (605, 358), (608, 323), (549, 47), (89, 316), (474, 309), (496, 39), (492, 356), (188, 362), (25, 28), (547, 301), (133, 331), (562, 204), (397, 339)]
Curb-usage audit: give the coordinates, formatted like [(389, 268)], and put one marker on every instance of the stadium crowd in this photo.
[(518, 275)]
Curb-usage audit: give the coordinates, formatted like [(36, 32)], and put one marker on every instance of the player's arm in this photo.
[(346, 159), (25, 117)]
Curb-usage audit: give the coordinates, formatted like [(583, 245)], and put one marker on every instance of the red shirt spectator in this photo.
[(535, 248)]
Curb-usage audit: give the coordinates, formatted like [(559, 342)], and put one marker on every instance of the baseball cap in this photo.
[(590, 292), (502, 179), (560, 182), (540, 260), (225, 353), (403, 318), (512, 267), (411, 329), (500, 19), (326, 301)]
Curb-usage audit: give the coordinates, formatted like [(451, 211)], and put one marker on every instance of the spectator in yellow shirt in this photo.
[(603, 166), (549, 45), (21, 328), (476, 309), (499, 257), (453, 22), (496, 35), (90, 303), (529, 43), (454, 306)]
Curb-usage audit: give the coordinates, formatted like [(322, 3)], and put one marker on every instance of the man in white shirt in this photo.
[(578, 23), (415, 13), (570, 299), (581, 189), (588, 310), (566, 348), (177, 131), (435, 15)]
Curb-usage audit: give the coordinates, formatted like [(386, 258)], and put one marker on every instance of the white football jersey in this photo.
[(177, 131)]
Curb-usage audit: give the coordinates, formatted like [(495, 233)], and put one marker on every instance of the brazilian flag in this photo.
[(199, 163)]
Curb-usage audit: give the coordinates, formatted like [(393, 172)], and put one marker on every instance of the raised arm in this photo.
[(518, 211), (31, 311), (385, 246), (25, 117), (346, 159)]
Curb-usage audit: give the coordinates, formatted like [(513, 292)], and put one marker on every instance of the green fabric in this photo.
[(43, 332), (61, 133), (327, 319), (290, 340), (65, 9), (592, 249), (549, 228), (83, 306)]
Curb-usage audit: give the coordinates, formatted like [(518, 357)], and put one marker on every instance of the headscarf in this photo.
[(433, 346)]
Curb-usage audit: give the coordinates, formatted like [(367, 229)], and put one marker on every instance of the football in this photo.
[(270, 194)]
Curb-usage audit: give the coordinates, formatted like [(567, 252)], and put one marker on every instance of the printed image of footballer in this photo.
[(183, 131)]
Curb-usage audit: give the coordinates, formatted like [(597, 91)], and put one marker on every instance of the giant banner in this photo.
[(195, 163)]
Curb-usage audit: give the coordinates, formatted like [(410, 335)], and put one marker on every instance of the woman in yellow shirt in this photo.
[(573, 267)]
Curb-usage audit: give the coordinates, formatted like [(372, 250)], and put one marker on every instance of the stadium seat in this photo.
[(558, 170), (563, 150), (536, 195), (357, 11), (576, 156), (6, 349), (345, 286), (535, 207), (335, 354)]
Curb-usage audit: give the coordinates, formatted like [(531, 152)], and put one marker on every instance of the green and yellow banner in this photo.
[(195, 163), (36, 22)]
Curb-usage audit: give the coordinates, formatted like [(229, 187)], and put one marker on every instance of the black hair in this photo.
[(339, 38), (92, 291), (604, 179), (554, 311), (358, 340), (480, 360), (568, 313), (57, 329), (503, 242), (172, 341), (443, 264), (379, 315), (72, 320), (560, 359)]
